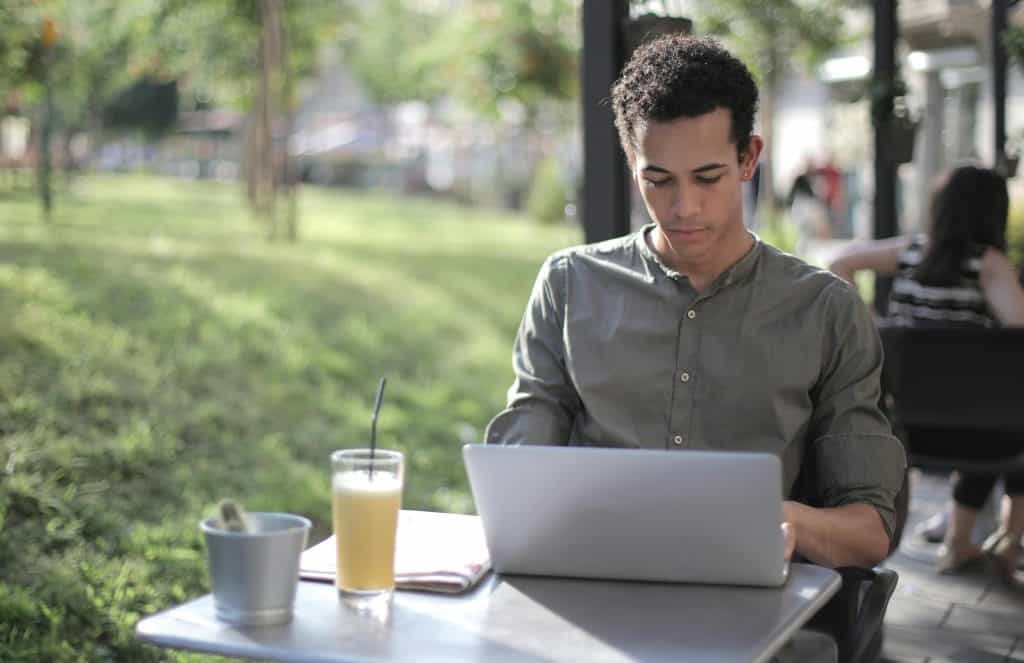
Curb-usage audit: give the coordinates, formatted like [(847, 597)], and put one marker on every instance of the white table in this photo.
[(519, 619)]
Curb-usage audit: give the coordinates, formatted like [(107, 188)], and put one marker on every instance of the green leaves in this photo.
[(768, 33), (481, 55)]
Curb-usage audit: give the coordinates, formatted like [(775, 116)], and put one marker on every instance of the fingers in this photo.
[(789, 538)]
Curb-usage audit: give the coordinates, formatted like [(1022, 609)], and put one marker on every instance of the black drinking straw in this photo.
[(373, 425)]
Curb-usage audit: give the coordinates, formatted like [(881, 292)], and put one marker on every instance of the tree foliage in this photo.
[(105, 47), (772, 34), (482, 54), (17, 33), (1013, 39), (384, 45), (212, 44)]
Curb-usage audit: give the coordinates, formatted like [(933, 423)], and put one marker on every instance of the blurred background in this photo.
[(221, 221)]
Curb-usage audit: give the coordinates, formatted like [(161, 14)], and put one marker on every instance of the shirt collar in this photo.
[(740, 270)]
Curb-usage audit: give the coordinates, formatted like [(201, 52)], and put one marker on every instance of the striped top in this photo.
[(912, 304)]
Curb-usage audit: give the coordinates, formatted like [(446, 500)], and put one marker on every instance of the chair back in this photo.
[(953, 396), (963, 378)]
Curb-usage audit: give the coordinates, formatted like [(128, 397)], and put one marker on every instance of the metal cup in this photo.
[(254, 574)]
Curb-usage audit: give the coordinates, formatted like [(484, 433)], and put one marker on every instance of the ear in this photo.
[(748, 160)]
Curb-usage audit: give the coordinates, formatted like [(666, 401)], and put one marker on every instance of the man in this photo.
[(694, 334)]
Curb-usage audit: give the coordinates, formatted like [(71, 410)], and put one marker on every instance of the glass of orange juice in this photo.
[(367, 495)]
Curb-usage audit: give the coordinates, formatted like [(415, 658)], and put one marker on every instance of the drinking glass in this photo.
[(367, 495)]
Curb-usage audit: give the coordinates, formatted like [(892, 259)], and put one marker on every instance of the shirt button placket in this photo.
[(679, 440)]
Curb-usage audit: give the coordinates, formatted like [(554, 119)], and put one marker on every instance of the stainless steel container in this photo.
[(254, 574)]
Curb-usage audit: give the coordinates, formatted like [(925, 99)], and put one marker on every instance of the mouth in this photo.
[(684, 233)]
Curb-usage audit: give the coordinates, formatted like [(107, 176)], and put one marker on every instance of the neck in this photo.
[(702, 270)]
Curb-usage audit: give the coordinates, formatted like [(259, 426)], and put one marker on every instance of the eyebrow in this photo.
[(706, 167)]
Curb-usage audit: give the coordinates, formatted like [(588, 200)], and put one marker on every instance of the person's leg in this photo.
[(961, 524), (1004, 546), (969, 495), (933, 530)]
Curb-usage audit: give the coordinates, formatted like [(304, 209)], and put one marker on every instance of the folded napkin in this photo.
[(434, 552)]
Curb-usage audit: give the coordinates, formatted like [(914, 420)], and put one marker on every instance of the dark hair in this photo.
[(680, 76), (968, 210)]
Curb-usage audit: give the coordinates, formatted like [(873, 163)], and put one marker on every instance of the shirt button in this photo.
[(685, 377), (678, 439), (691, 314)]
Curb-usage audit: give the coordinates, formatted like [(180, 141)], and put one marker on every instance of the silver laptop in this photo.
[(630, 514)]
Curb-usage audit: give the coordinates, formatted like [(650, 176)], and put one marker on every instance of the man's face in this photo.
[(689, 174)]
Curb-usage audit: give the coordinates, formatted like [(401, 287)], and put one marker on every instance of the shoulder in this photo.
[(815, 291), (786, 271), (611, 248), (619, 256)]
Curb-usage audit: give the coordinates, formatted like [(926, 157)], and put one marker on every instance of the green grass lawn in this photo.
[(156, 354)]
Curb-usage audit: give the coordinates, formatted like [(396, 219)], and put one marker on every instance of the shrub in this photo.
[(547, 198), (776, 229)]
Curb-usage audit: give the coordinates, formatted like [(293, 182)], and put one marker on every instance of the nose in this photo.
[(687, 202)]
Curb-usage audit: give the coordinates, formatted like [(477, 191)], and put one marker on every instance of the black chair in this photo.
[(940, 388), (854, 616), (954, 396)]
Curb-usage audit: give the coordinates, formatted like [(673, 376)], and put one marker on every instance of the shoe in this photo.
[(948, 563), (933, 530), (1002, 554)]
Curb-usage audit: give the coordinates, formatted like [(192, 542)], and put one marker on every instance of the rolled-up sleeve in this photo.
[(542, 402), (857, 458)]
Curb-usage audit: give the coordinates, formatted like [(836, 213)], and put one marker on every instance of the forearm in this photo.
[(844, 270), (850, 535), (1003, 291), (1006, 300), (880, 256)]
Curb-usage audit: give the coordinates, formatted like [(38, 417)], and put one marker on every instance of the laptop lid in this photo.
[(631, 514)]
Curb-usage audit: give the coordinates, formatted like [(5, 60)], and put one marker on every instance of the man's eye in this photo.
[(708, 180), (658, 182)]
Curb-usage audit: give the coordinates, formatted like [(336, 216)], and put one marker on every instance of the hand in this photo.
[(789, 537)]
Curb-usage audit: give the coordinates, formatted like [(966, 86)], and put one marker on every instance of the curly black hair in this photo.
[(681, 76)]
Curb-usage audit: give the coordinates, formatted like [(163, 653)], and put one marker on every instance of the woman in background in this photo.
[(958, 275)]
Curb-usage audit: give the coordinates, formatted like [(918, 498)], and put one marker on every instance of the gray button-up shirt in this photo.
[(617, 350)]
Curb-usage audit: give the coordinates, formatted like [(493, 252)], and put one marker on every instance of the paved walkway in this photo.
[(968, 618)]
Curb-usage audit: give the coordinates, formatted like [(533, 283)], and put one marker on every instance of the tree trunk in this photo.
[(44, 165), (279, 90), (265, 162), (289, 180), (249, 156), (68, 159)]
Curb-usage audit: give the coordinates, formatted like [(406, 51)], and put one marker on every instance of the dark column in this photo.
[(884, 73), (999, 8), (605, 204)]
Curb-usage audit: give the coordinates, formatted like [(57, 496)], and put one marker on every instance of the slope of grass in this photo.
[(156, 354)]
